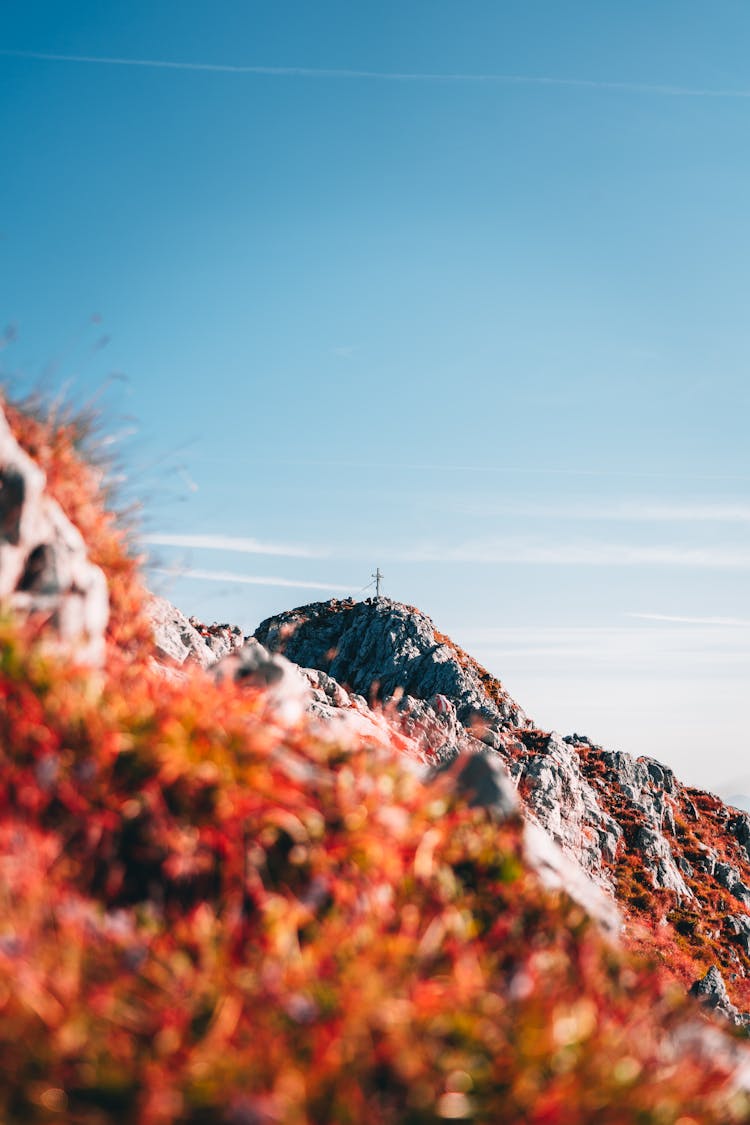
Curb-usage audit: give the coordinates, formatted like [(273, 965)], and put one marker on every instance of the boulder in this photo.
[(185, 640), (712, 993), (175, 638), (729, 877), (482, 779), (739, 926), (45, 570), (660, 863), (288, 692)]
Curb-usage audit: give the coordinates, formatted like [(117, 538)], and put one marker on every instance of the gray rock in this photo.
[(444, 705), (448, 704), (729, 877), (711, 988), (558, 871), (580, 740), (221, 640), (380, 648), (186, 640), (566, 805), (287, 690), (708, 859), (660, 775), (739, 926), (648, 786), (659, 862), (491, 738), (175, 638), (482, 778), (712, 993), (690, 808), (739, 826), (44, 564)]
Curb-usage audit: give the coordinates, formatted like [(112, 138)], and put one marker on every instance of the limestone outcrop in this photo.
[(45, 570), (181, 640), (381, 649), (712, 993)]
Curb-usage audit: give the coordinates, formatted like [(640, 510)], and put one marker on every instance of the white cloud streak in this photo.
[(583, 554), (239, 544), (730, 622), (663, 645), (677, 513), (642, 88), (228, 576), (632, 511), (482, 470)]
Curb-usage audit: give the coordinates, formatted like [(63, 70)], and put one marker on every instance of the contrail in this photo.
[(243, 579), (734, 622), (447, 467), (389, 76), (231, 543), (627, 511), (579, 554)]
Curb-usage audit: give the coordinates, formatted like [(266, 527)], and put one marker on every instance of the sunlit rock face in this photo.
[(380, 648), (44, 565), (712, 993), (185, 640), (558, 794)]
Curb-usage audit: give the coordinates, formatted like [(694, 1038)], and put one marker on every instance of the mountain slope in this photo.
[(216, 908), (675, 858)]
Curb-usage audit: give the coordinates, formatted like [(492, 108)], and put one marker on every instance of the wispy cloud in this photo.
[(523, 470), (631, 511), (582, 554), (228, 576), (665, 644), (647, 88), (240, 544), (731, 622), (446, 468)]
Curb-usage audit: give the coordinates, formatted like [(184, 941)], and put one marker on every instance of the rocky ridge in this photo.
[(672, 857), (668, 857)]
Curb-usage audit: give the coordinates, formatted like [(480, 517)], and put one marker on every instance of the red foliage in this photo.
[(688, 937), (209, 916)]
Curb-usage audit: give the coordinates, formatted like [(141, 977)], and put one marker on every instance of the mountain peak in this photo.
[(675, 859), (381, 648)]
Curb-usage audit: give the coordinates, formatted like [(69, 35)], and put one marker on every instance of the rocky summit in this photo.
[(380, 648), (676, 860)]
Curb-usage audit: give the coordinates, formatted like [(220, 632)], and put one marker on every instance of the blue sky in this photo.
[(484, 326)]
